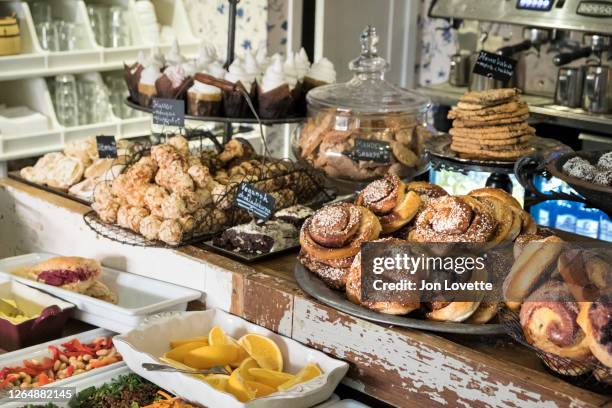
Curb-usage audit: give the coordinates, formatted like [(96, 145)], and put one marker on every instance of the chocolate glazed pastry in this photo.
[(333, 236), (595, 319), (453, 219), (409, 302), (391, 202), (548, 318)]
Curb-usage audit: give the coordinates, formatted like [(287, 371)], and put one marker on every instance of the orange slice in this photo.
[(208, 356), (269, 377), (261, 390), (263, 350), (307, 373), (177, 343), (179, 353), (237, 386)]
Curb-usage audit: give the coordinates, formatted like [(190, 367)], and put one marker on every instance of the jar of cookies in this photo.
[(365, 128)]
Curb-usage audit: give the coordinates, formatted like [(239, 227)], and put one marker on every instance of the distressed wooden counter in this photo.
[(402, 367)]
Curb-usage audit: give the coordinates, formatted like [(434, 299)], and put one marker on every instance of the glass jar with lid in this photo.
[(365, 128)]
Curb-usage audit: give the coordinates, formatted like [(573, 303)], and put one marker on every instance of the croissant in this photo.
[(389, 199)]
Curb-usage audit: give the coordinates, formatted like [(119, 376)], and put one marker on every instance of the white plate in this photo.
[(39, 351), (138, 296), (150, 341)]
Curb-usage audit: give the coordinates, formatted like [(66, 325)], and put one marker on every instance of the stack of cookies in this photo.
[(491, 125)]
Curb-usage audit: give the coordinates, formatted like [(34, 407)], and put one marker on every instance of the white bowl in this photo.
[(151, 340)]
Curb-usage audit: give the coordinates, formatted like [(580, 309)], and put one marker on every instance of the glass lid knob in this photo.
[(369, 61)]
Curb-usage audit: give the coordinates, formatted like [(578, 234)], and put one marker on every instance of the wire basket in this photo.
[(289, 183), (589, 374)]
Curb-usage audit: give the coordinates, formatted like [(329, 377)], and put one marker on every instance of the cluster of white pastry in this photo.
[(162, 197), (77, 169)]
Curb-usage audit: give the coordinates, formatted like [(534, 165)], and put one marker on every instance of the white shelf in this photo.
[(34, 93), (90, 57)]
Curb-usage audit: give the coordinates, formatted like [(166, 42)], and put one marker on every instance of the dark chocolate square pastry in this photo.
[(258, 238)]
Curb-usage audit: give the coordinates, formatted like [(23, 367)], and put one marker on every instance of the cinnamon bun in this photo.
[(338, 230), (353, 291), (548, 318), (390, 201), (451, 219), (528, 225), (595, 319)]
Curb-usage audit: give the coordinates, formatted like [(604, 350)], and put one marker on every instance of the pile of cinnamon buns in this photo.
[(418, 212), (174, 195), (564, 294)]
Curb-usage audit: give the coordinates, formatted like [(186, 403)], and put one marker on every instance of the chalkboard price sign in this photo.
[(168, 112), (107, 147), (371, 150), (494, 66), (255, 201)]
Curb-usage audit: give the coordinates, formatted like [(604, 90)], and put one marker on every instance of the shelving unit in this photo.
[(22, 75)]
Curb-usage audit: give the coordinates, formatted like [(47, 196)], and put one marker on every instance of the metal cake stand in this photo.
[(443, 158)]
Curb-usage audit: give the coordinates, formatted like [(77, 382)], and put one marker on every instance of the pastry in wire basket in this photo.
[(548, 318)]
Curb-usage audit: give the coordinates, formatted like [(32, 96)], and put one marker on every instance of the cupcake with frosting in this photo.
[(174, 57), (302, 66), (131, 75), (147, 89), (274, 94), (173, 83), (234, 101), (295, 85), (320, 73), (204, 100)]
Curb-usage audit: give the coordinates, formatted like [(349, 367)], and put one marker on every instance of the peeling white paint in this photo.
[(425, 371)]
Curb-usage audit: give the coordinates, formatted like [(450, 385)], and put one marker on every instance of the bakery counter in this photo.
[(399, 366)]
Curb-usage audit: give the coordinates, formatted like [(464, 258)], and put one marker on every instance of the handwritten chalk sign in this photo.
[(255, 201), (107, 147), (494, 66), (371, 150), (168, 112)]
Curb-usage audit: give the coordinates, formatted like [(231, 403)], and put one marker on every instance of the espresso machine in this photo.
[(563, 53)]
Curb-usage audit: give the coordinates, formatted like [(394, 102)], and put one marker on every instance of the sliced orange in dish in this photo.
[(264, 350), (307, 373), (245, 366), (261, 390), (237, 386), (270, 377), (217, 381), (242, 353), (177, 343)]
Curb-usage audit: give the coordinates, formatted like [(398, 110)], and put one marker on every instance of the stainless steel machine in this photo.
[(564, 53)]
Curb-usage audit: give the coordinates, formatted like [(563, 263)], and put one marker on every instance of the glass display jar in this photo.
[(365, 128)]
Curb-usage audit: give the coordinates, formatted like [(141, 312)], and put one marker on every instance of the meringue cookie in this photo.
[(323, 70), (274, 77)]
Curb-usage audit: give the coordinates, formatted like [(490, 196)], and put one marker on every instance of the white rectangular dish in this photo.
[(137, 295), (151, 340), (40, 351), (81, 383)]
